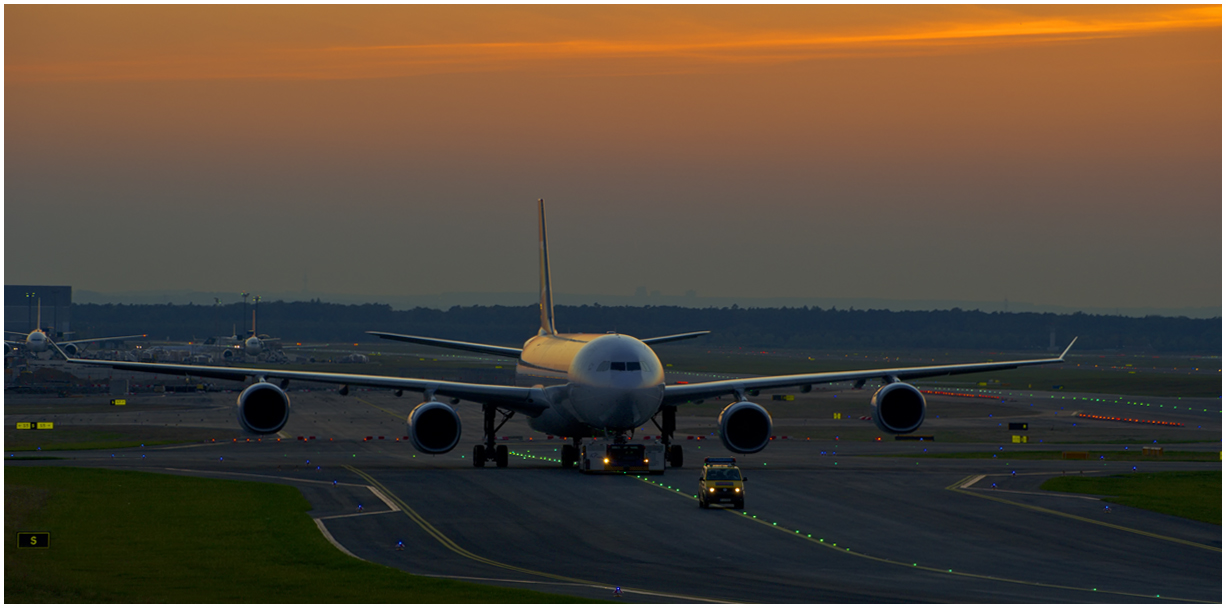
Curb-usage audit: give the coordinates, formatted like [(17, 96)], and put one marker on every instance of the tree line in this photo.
[(805, 327)]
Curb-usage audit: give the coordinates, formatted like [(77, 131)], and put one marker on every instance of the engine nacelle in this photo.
[(745, 427), (72, 350), (434, 428), (263, 408), (898, 407)]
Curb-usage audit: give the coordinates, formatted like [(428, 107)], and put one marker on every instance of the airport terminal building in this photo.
[(22, 304)]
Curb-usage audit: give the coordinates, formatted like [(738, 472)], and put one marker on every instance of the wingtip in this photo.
[(1068, 348)]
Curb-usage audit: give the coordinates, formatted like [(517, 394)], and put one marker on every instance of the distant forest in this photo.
[(732, 326)]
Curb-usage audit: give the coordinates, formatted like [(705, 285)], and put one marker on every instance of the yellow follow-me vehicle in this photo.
[(721, 482)]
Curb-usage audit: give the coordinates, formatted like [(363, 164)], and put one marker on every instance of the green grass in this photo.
[(1192, 494), (1113, 455), (122, 536)]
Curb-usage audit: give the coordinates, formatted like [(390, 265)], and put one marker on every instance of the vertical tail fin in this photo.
[(547, 326), (39, 323)]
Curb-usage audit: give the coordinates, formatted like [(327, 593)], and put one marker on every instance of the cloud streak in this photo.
[(615, 54)]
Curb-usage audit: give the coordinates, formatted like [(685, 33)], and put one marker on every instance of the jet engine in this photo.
[(434, 428), (744, 427), (263, 408), (898, 407), (72, 350)]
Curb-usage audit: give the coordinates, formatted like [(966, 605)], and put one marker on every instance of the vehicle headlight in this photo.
[(606, 461), (738, 489), (711, 489)]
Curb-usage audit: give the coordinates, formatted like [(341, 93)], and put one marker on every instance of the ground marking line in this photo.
[(1079, 496), (364, 513), (356, 485), (971, 481), (455, 548), (561, 584), (328, 535), (846, 551), (387, 501), (159, 448), (1181, 541), (394, 414), (380, 495)]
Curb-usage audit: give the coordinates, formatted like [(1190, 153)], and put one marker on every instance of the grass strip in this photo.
[(124, 536), (1192, 494), (1114, 455)]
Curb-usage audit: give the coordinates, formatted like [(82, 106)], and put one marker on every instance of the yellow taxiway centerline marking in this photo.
[(960, 488), (450, 544), (847, 551), (394, 414)]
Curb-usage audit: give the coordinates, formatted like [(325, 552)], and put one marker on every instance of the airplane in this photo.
[(576, 386), (37, 341), (234, 348), (255, 345)]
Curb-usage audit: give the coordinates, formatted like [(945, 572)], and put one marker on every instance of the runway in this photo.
[(825, 520)]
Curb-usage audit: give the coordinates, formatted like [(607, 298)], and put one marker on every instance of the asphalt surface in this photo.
[(825, 520)]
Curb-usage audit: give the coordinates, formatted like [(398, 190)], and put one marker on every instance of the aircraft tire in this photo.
[(501, 456), (569, 454), (478, 456), (675, 457)]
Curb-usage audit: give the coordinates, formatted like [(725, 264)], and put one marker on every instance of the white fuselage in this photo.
[(36, 342), (608, 381), (253, 346)]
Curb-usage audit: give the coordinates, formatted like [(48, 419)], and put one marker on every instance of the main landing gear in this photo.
[(667, 425), (570, 453), (489, 451)]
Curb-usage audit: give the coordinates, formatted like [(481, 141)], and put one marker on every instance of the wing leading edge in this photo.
[(680, 393), (487, 349), (520, 399)]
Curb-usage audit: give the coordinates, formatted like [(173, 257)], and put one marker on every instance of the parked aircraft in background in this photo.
[(37, 341), (577, 386)]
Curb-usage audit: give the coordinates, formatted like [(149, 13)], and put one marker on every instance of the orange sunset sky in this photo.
[(1060, 155)]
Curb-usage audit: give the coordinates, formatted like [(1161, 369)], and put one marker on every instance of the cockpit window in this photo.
[(623, 366)]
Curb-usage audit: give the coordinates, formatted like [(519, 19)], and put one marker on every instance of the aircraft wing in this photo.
[(87, 341), (517, 398), (680, 393), (488, 349), (674, 337)]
